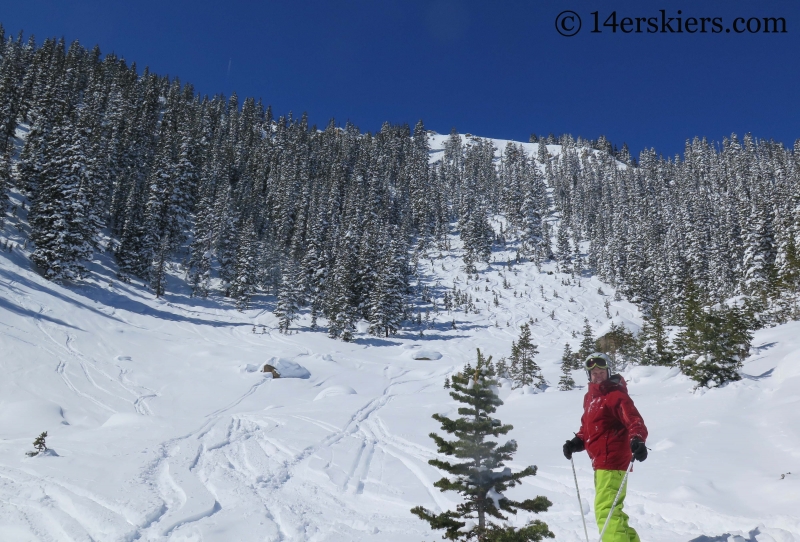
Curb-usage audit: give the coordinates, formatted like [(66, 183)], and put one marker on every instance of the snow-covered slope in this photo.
[(165, 429)]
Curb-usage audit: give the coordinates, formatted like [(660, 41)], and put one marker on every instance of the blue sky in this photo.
[(496, 69)]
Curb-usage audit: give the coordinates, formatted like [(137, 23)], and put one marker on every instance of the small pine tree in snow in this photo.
[(588, 341), (40, 444), (524, 370), (653, 339), (714, 346), (502, 367), (566, 382), (481, 477)]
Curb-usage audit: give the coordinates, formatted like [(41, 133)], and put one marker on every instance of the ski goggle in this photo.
[(591, 363)]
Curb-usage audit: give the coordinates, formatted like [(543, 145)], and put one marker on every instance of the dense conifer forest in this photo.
[(331, 220)]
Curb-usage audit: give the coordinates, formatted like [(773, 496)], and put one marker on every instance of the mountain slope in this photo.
[(165, 429)]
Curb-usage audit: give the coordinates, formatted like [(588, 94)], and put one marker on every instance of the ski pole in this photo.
[(614, 504), (580, 503)]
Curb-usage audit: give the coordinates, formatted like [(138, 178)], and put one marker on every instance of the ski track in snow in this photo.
[(212, 456)]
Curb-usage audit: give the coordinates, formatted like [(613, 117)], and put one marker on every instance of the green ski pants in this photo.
[(606, 485)]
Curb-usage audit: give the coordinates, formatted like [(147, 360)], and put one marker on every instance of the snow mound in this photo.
[(426, 354), (332, 391), (524, 390), (287, 368), (46, 453), (628, 323), (25, 417)]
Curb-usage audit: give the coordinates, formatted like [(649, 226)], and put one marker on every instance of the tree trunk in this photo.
[(481, 520)]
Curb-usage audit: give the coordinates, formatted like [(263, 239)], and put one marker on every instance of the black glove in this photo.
[(638, 449), (572, 446)]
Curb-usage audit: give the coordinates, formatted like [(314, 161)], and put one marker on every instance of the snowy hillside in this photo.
[(163, 427)]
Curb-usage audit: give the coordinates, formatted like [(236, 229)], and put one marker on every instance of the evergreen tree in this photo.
[(130, 254), (653, 340), (566, 382), (387, 300), (341, 306), (759, 256), (5, 184), (289, 297), (158, 268), (587, 342), (503, 369), (60, 210), (244, 281), (524, 370), (714, 345), (480, 476), (534, 232), (564, 251), (202, 245), (40, 445)]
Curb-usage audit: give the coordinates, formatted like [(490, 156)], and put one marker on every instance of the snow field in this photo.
[(165, 429)]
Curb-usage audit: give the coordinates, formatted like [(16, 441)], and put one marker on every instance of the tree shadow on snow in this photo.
[(751, 537), (110, 299), (765, 374), (5, 304), (374, 341), (24, 281)]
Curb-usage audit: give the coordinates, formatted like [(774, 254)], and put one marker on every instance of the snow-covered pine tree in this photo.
[(158, 268), (417, 174), (714, 345), (314, 267), (35, 152), (760, 273), (226, 242), (531, 230), (541, 152), (5, 183), (588, 343), (563, 250), (502, 368), (201, 249), (289, 297), (59, 212), (130, 255), (480, 476), (340, 306), (566, 382), (524, 370), (11, 75), (386, 312), (244, 280), (514, 174), (653, 340)]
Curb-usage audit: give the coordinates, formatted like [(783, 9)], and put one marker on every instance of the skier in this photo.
[(612, 431)]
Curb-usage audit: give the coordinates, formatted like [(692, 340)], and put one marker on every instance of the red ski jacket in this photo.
[(609, 422)]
